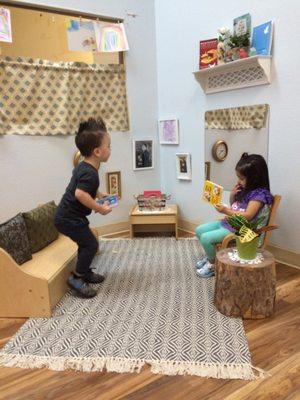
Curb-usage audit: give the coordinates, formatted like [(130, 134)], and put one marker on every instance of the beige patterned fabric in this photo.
[(247, 117), (39, 97)]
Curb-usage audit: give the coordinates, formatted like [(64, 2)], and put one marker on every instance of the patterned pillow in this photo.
[(40, 226), (14, 239)]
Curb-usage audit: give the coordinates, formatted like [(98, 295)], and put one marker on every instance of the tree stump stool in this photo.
[(245, 290)]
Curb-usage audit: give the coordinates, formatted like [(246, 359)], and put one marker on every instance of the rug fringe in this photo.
[(123, 365)]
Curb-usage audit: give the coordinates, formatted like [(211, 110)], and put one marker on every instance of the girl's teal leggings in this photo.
[(209, 235)]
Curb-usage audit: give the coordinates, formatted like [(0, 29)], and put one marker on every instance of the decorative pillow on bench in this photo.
[(14, 239), (40, 226)]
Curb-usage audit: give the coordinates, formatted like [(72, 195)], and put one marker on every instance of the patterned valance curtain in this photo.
[(247, 117), (39, 97)]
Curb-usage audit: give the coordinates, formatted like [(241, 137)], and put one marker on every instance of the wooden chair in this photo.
[(231, 236)]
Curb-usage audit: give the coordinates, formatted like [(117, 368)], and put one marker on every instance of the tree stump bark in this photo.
[(245, 290)]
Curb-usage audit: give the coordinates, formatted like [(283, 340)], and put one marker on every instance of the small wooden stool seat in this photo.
[(245, 290)]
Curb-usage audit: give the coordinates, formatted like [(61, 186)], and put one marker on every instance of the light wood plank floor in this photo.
[(274, 345)]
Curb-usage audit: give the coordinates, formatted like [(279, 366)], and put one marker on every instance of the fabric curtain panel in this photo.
[(247, 117), (39, 97)]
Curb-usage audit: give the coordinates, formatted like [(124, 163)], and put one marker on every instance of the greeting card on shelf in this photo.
[(212, 193), (262, 38), (242, 25), (208, 53)]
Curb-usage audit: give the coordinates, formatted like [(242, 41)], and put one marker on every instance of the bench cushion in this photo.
[(40, 226), (14, 239), (49, 261)]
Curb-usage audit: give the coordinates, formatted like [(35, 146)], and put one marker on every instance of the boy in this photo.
[(93, 141)]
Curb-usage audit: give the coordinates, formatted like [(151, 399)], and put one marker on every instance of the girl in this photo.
[(250, 197)]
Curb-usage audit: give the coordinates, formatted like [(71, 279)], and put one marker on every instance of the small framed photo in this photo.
[(207, 170), (113, 183), (168, 131), (143, 156), (183, 164)]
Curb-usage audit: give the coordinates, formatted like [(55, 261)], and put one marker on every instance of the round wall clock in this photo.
[(220, 150)]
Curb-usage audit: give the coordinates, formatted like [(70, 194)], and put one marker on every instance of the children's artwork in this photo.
[(5, 26), (208, 53), (112, 38), (212, 193), (262, 38), (183, 164), (242, 25), (168, 131), (113, 183), (143, 154), (81, 35)]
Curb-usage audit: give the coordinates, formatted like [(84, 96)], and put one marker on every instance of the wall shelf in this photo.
[(251, 71)]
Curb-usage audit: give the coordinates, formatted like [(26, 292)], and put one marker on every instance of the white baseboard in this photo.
[(281, 255)]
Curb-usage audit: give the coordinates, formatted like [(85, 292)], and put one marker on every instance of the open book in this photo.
[(212, 193)]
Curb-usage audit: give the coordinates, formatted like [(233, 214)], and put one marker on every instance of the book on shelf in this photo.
[(242, 25), (262, 38), (208, 53), (212, 193), (152, 193)]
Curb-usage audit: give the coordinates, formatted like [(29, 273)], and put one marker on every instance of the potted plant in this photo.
[(247, 235)]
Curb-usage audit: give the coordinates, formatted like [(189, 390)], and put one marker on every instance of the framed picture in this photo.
[(113, 183), (207, 170), (143, 154), (168, 131), (183, 164)]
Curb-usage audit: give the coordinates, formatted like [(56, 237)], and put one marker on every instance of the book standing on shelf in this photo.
[(242, 25), (262, 38), (208, 53), (212, 193)]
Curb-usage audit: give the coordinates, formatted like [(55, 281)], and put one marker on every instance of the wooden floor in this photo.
[(274, 345)]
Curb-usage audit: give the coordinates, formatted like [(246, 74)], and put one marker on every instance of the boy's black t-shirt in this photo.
[(86, 178)]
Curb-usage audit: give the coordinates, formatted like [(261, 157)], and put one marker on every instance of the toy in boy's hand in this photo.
[(112, 201)]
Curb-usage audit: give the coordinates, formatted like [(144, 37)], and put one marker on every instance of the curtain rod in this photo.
[(56, 10)]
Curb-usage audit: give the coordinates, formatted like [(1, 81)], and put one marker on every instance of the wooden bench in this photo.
[(35, 287)]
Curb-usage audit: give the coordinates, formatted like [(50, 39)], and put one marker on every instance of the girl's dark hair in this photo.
[(254, 168), (90, 135)]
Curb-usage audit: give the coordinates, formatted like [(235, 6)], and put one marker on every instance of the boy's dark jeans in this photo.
[(86, 241)]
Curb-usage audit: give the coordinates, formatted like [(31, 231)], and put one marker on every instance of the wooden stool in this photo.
[(245, 290)]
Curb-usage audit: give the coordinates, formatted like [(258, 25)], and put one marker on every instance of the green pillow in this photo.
[(40, 226)]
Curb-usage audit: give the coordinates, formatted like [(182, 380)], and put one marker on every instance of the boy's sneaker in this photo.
[(201, 262), (207, 271), (81, 288), (91, 277)]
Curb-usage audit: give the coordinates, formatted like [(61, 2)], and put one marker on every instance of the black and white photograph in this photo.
[(183, 166), (142, 154)]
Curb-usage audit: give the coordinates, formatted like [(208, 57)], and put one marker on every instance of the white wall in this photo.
[(180, 25), (38, 169)]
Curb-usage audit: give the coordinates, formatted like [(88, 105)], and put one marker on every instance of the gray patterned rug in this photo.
[(151, 309)]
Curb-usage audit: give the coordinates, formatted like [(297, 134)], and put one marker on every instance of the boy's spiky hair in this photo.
[(90, 135)]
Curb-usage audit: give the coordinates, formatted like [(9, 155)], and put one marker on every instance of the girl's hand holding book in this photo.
[(221, 208)]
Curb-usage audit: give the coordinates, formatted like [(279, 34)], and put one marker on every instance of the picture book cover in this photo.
[(111, 200), (208, 53), (5, 26), (262, 38), (212, 193), (242, 25)]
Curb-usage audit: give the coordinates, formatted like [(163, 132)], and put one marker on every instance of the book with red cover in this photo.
[(149, 193), (208, 53)]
